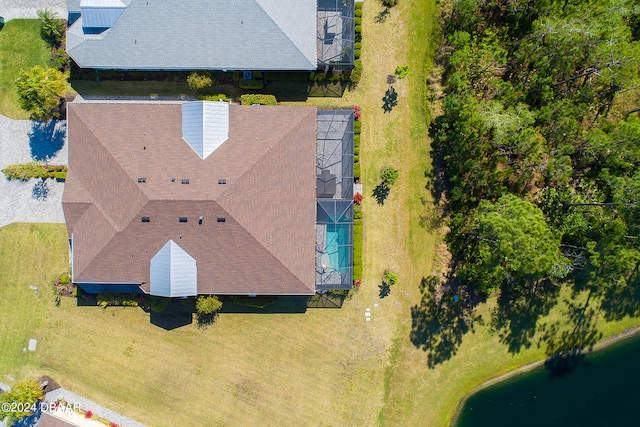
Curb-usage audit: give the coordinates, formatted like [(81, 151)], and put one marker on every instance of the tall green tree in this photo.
[(516, 246), (40, 90)]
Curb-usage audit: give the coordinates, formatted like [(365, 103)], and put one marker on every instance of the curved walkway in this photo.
[(12, 9), (23, 141)]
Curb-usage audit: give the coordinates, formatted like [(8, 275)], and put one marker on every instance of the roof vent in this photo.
[(185, 181), (146, 219), (222, 181), (142, 179), (183, 219), (200, 220), (221, 219)]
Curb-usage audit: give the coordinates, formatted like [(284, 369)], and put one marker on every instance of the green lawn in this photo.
[(21, 47)]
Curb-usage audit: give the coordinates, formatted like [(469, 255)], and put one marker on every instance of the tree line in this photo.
[(540, 142)]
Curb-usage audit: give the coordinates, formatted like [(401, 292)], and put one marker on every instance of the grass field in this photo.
[(325, 367), (21, 47)]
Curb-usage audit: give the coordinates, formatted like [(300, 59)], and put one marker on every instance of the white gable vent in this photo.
[(173, 272), (100, 14), (205, 125)]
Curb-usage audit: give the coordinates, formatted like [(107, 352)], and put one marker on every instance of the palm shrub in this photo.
[(40, 91), (53, 28), (389, 175)]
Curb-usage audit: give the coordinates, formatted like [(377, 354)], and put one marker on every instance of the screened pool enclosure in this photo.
[(334, 200), (336, 32)]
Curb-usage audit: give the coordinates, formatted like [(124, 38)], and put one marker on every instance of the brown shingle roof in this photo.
[(47, 420), (266, 244)]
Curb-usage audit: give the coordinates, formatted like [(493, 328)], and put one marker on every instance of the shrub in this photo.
[(25, 394), (40, 91), (52, 27), (59, 59), (64, 279), (356, 140), (357, 53), (88, 414), (358, 11), (218, 97), (25, 171), (356, 171), (208, 304), (402, 71), (199, 80), (356, 72), (358, 28), (357, 128), (390, 278), (250, 99), (60, 176), (357, 211), (389, 3), (389, 175), (107, 299), (235, 76), (358, 20), (356, 152), (158, 304), (357, 198), (358, 6), (256, 302), (358, 45), (251, 84)]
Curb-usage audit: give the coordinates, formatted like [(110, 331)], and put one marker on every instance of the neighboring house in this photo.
[(180, 199), (211, 34)]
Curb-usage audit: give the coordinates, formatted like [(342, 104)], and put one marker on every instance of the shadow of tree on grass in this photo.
[(381, 192), (567, 348), (390, 99), (517, 313), (444, 315)]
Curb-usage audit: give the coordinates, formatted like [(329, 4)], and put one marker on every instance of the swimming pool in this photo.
[(338, 247)]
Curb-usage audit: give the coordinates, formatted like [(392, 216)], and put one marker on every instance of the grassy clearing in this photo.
[(21, 47)]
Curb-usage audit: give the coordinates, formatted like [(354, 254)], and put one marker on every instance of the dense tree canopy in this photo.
[(540, 137)]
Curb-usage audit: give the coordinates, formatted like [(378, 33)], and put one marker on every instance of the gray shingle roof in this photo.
[(203, 34)]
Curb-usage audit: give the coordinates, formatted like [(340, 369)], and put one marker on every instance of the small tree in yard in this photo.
[(390, 278), (208, 304), (53, 28), (40, 90), (20, 401), (389, 175), (199, 80)]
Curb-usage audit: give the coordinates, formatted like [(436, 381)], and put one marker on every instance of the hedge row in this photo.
[(357, 126), (357, 248), (107, 299), (35, 170), (251, 84), (295, 76), (251, 99), (218, 97)]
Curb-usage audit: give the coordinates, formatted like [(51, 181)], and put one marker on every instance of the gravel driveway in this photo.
[(12, 9), (23, 141)]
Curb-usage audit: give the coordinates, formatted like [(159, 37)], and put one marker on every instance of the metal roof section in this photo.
[(173, 272), (205, 125), (100, 14), (202, 34)]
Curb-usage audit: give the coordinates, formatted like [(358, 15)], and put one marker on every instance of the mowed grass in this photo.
[(30, 255), (21, 47)]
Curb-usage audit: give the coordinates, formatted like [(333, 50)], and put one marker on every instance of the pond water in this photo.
[(604, 390)]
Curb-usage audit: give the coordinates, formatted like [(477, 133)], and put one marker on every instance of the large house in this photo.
[(180, 199), (211, 34)]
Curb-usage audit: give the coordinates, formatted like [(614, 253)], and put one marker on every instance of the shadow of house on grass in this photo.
[(46, 139), (440, 321)]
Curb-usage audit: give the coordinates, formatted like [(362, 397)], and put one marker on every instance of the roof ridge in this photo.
[(258, 3), (292, 129)]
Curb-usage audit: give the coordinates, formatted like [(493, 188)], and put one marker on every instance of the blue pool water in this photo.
[(338, 235)]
